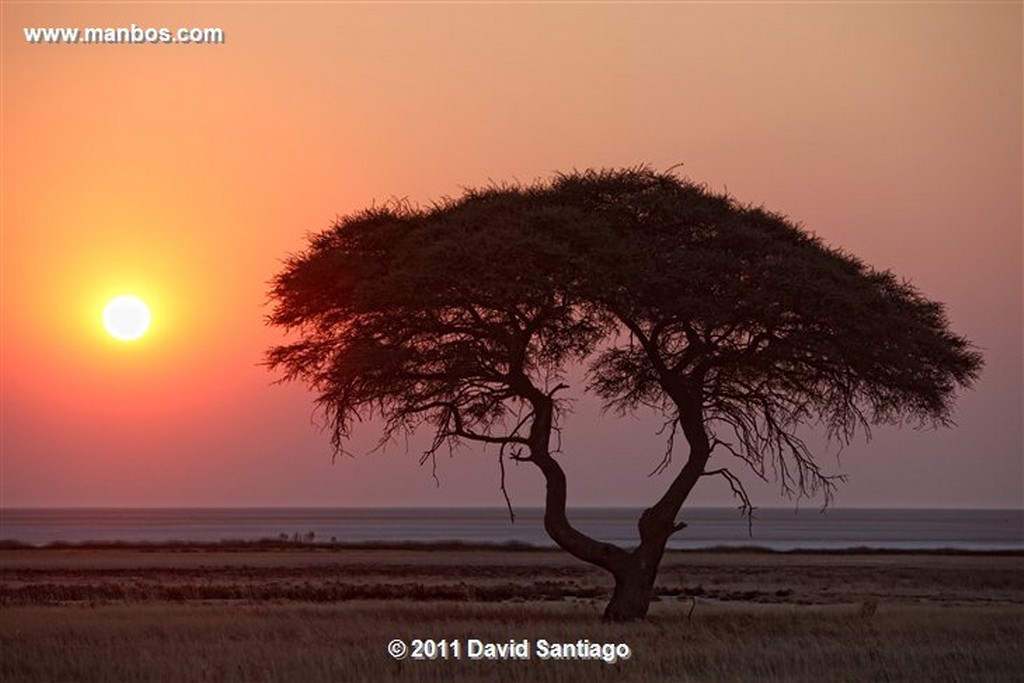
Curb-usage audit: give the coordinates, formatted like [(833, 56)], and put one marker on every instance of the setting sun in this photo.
[(126, 317)]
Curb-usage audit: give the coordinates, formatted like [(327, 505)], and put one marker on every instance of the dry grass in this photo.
[(346, 642), (757, 617)]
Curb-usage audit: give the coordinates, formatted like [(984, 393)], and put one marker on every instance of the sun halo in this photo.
[(126, 317)]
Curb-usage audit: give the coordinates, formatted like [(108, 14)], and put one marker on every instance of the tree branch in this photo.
[(672, 426), (461, 432), (737, 490), (504, 491)]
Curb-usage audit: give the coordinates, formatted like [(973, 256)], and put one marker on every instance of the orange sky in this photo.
[(184, 174)]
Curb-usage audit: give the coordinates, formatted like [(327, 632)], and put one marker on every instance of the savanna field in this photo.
[(289, 612)]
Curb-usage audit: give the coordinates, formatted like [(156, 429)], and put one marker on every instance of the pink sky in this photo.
[(186, 173)]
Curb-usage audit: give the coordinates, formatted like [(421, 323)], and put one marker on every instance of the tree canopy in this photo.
[(737, 325), (757, 325), (421, 316)]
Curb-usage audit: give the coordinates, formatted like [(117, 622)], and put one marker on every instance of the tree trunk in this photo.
[(634, 588), (635, 571)]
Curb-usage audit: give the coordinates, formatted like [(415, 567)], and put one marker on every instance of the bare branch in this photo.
[(504, 491), (738, 491), (672, 426), (460, 431), (432, 456), (558, 387)]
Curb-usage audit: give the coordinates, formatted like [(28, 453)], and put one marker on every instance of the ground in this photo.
[(289, 612)]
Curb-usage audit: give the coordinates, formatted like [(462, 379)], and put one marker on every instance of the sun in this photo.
[(126, 317)]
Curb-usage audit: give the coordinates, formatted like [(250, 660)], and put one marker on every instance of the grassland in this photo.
[(294, 613)]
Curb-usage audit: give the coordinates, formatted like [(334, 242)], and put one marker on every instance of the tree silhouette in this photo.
[(734, 324)]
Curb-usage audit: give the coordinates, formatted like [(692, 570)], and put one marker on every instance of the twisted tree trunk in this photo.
[(634, 579), (634, 571)]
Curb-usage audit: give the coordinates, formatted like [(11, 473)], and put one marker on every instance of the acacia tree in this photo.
[(734, 324)]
